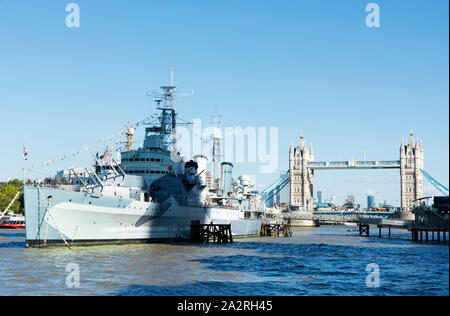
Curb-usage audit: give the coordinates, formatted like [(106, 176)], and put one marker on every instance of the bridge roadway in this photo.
[(353, 164)]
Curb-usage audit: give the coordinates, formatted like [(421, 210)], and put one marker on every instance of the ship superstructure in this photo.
[(153, 159), (153, 194)]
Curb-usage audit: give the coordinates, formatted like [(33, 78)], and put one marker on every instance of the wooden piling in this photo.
[(364, 228), (217, 233), (275, 230)]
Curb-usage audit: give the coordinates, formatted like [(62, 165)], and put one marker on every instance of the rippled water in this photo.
[(316, 261)]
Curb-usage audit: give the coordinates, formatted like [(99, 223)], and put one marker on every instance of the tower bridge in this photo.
[(302, 167)]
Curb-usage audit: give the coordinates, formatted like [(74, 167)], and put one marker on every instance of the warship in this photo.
[(152, 194)]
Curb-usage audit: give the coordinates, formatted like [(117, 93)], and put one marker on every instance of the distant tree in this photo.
[(7, 192)]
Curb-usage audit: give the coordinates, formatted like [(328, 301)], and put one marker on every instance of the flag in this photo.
[(275, 206), (25, 154)]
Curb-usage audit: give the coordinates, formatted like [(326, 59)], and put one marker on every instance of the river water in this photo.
[(329, 260)]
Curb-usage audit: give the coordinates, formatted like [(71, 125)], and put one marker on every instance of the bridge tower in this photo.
[(411, 179), (302, 178)]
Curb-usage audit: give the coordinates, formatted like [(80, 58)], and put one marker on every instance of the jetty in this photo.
[(275, 229), (423, 222), (215, 233)]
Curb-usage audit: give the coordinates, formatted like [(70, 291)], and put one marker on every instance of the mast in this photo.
[(163, 130), (217, 148), (23, 161)]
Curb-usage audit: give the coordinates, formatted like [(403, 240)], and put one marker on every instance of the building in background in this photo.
[(209, 183), (370, 201), (77, 175), (319, 197), (333, 199), (351, 198)]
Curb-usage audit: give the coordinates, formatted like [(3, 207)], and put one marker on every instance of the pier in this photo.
[(430, 224), (335, 218), (274, 230), (216, 233), (418, 234), (380, 223), (431, 220)]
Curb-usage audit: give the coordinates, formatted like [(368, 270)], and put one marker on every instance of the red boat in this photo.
[(12, 222)]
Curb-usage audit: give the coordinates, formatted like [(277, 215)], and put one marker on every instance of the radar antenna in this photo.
[(167, 119)]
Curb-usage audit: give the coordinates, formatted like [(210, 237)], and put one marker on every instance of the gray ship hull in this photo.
[(56, 216)]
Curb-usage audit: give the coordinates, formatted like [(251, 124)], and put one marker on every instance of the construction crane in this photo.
[(441, 188)]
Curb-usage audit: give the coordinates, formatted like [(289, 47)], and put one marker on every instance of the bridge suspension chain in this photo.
[(441, 188)]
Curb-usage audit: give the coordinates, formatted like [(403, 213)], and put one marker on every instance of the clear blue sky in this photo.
[(303, 66)]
